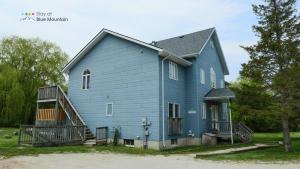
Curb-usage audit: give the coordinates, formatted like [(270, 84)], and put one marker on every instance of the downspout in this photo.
[(230, 118), (163, 98)]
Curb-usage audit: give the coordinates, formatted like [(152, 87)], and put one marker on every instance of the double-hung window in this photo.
[(109, 109), (202, 76), (174, 110), (213, 78), (203, 110), (173, 70)]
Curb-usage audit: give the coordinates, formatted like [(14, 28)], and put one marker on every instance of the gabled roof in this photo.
[(219, 94), (186, 44), (191, 45), (104, 32)]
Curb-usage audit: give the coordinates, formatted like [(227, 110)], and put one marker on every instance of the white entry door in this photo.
[(215, 117)]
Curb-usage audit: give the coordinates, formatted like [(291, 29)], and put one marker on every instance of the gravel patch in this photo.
[(125, 161)]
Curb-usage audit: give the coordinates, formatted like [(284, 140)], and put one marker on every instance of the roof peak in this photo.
[(182, 36)]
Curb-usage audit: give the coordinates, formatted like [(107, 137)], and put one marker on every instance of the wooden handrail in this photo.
[(71, 105)]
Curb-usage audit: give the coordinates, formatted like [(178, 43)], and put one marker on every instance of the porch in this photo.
[(219, 116)]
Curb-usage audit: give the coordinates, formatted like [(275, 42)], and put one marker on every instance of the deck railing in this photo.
[(58, 135), (101, 135), (47, 93), (223, 129), (219, 127), (175, 126)]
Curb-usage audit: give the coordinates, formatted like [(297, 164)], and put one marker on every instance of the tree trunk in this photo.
[(286, 133)]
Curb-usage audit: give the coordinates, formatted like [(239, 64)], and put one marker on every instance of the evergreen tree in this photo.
[(273, 57)]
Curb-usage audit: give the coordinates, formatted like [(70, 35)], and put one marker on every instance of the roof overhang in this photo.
[(175, 58), (104, 32), (219, 94)]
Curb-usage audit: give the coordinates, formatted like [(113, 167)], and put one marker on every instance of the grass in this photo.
[(10, 148), (266, 154)]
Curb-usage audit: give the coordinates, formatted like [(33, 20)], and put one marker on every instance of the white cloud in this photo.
[(142, 19)]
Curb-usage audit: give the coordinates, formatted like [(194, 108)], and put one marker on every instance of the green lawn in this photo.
[(9, 148), (266, 154)]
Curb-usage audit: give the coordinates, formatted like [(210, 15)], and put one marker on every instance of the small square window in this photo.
[(129, 142), (109, 109), (174, 141)]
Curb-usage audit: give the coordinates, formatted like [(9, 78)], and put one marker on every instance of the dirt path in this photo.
[(125, 161)]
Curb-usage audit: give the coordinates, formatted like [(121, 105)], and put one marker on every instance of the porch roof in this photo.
[(219, 94)]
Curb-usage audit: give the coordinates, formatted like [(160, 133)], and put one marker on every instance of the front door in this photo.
[(215, 117)]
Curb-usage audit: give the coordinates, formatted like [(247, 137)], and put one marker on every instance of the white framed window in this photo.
[(222, 83), (174, 110), (213, 78), (212, 45), (86, 77), (202, 76), (109, 109), (203, 111), (225, 112), (173, 70)]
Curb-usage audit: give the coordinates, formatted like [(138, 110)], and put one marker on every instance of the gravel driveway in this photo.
[(125, 161)]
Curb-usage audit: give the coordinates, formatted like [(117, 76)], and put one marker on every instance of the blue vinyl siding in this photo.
[(122, 73)]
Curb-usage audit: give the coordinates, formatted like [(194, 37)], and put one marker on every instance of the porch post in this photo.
[(229, 111)]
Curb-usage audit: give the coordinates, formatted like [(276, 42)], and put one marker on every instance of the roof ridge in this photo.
[(212, 28)]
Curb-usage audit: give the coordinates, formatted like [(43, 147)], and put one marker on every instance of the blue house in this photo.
[(161, 94)]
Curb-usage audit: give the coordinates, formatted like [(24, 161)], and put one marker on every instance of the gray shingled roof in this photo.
[(186, 44), (220, 93)]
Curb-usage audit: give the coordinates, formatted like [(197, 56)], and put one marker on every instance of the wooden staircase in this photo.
[(56, 94), (243, 132), (240, 130)]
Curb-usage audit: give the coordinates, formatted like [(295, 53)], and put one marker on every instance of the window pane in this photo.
[(109, 109), (170, 110), (88, 82), (176, 110), (83, 82), (203, 111)]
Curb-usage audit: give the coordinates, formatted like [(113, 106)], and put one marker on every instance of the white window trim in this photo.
[(112, 109), (173, 106), (85, 82), (213, 78), (222, 84), (212, 45), (203, 110), (202, 76), (173, 70)]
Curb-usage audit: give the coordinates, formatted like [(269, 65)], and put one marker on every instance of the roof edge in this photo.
[(96, 39)]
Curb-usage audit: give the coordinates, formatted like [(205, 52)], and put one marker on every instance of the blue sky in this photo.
[(142, 19)]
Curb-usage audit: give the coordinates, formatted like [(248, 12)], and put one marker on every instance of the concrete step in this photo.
[(90, 143)]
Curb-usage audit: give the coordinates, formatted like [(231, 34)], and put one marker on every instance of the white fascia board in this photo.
[(174, 58)]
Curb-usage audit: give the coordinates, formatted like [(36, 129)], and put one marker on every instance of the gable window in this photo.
[(174, 110), (173, 71), (86, 76), (212, 45), (202, 76), (213, 78), (109, 109), (203, 111)]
